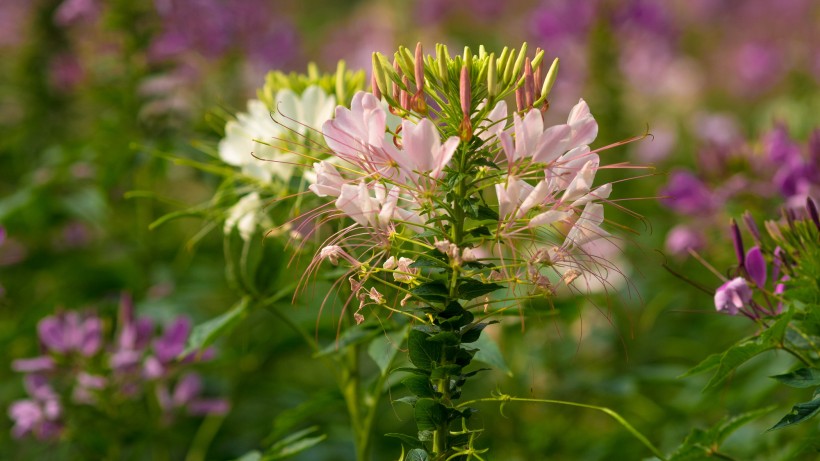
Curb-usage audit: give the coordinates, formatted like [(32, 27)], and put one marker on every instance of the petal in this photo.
[(552, 143), (756, 266), (584, 127), (444, 155)]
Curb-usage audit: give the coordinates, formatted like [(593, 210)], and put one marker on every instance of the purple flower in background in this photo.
[(682, 238), (560, 21), (779, 146), (133, 338), (187, 395), (69, 332), (204, 26), (39, 415), (73, 11), (685, 193), (2, 235), (758, 65), (732, 296)]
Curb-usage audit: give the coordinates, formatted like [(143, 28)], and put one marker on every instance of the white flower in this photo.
[(250, 140), (246, 215)]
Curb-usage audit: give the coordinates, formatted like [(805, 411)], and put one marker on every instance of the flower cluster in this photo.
[(79, 367), (433, 166), (270, 141), (775, 167), (795, 243)]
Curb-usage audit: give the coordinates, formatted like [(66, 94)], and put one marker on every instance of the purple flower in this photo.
[(687, 194), (758, 66), (681, 238), (172, 343), (86, 387), (187, 394), (73, 11), (2, 235), (39, 415), (33, 365), (779, 146), (732, 296), (68, 332)]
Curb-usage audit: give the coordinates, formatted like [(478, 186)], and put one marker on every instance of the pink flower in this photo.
[(328, 180), (732, 296), (376, 212), (357, 134), (533, 141), (69, 332), (423, 151)]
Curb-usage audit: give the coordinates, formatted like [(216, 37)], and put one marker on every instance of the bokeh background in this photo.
[(92, 91)]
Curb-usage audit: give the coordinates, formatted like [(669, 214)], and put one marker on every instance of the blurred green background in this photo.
[(92, 90)]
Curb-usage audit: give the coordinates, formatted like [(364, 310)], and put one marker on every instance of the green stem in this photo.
[(203, 437), (623, 422)]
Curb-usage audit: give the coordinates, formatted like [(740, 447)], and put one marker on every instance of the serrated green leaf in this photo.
[(707, 364), (740, 353), (423, 353), (419, 385), (729, 425), (801, 379), (471, 288), (204, 334), (800, 412), (431, 291), (445, 371), (429, 414), (417, 454)]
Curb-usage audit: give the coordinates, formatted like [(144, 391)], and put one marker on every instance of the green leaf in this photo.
[(445, 337), (802, 378), (431, 291), (250, 456), (417, 454), (409, 440), (707, 364), (383, 348), (701, 444), (204, 334), (429, 414), (419, 385), (489, 353), (293, 444), (771, 338), (800, 412), (485, 212), (472, 334), (445, 371), (423, 353), (471, 288)]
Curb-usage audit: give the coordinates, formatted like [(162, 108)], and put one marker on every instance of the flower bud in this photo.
[(812, 208), (752, 226), (419, 68), (737, 240), (529, 85), (492, 83), (549, 80)]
